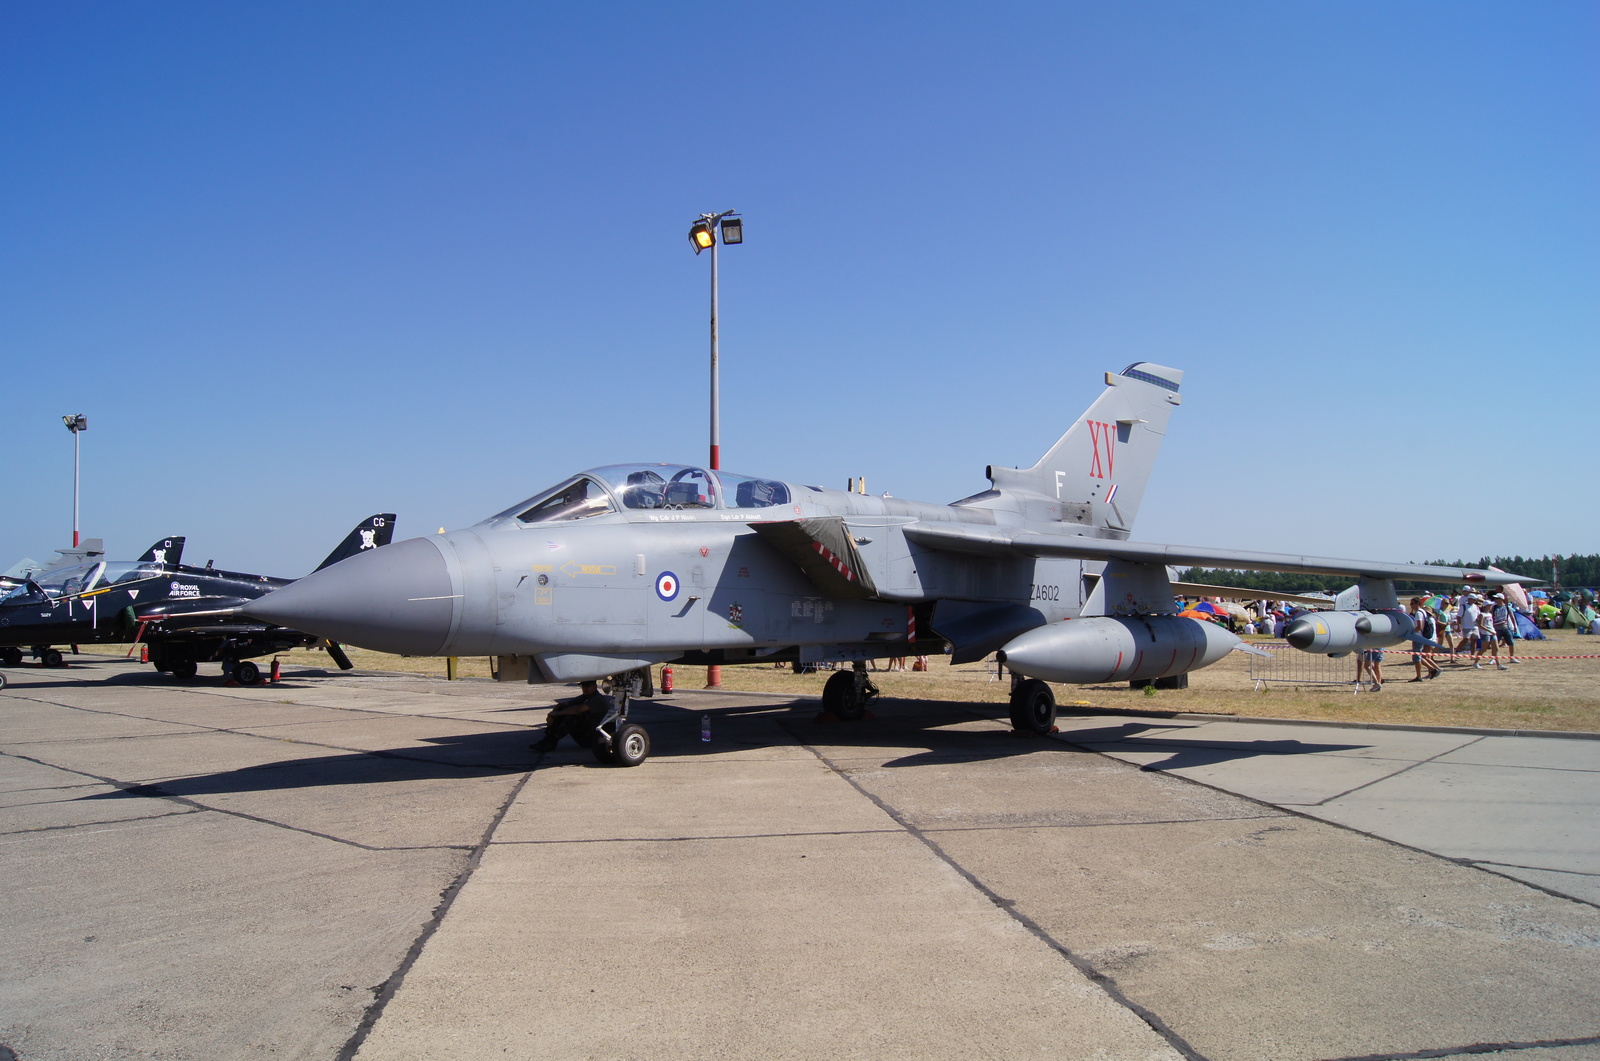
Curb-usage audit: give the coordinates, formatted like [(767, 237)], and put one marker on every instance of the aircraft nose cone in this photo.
[(397, 598), (1299, 633)]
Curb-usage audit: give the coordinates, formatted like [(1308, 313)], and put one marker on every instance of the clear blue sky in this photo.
[(300, 262)]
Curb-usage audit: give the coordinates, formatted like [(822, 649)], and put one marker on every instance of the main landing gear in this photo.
[(47, 656), (1033, 707), (847, 693)]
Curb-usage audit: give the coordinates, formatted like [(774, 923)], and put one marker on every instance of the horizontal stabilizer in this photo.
[(825, 551)]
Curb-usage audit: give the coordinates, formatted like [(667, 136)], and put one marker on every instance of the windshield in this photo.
[(577, 498), (59, 583)]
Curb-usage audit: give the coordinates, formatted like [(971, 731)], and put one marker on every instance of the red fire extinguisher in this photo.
[(666, 679)]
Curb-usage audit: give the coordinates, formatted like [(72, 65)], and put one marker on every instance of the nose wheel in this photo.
[(618, 742)]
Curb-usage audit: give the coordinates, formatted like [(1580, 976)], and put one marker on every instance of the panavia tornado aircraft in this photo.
[(621, 567), (186, 615)]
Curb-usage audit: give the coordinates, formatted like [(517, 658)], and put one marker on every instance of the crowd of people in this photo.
[(1468, 627)]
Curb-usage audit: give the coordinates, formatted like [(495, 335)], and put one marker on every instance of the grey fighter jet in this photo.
[(618, 568)]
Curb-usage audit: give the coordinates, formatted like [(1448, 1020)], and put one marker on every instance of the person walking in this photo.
[(1505, 625), (1486, 635), (1467, 616), (1446, 628), (1369, 661), (1423, 629)]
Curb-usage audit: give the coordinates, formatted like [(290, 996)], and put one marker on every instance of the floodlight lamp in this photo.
[(702, 236), (732, 230), (76, 423)]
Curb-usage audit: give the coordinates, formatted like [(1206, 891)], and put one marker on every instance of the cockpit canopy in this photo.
[(80, 578), (625, 487)]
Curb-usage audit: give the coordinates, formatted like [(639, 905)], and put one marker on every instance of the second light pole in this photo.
[(703, 235), (76, 423)]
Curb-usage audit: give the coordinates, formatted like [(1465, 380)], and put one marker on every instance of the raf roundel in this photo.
[(667, 585)]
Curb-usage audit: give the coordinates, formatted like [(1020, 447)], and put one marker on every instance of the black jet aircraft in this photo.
[(185, 615), (65, 575), (618, 568)]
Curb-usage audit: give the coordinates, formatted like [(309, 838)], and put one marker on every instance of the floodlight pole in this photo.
[(716, 374), (704, 235), (76, 423)]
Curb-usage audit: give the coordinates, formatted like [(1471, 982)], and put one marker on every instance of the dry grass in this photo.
[(1536, 695)]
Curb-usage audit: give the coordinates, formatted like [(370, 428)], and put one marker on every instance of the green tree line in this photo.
[(1573, 571)]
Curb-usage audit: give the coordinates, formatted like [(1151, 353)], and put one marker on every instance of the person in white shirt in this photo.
[(1486, 637)]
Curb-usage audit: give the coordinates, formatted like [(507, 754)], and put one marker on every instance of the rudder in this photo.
[(370, 533), (1103, 462)]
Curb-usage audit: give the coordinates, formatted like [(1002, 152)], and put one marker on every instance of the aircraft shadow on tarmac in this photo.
[(945, 745), (934, 727), (22, 678), (1189, 753), (502, 751)]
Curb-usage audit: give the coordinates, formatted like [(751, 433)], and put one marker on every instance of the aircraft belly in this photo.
[(46, 633)]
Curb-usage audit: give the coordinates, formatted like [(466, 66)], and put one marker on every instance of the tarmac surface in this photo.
[(378, 867)]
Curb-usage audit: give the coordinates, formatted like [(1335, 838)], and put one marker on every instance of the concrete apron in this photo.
[(927, 886), (920, 885)]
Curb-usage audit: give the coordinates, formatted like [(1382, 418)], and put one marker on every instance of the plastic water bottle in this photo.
[(705, 729)]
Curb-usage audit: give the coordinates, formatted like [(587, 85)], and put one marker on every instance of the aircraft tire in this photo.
[(632, 745), (839, 697), (603, 753), (2, 681), (246, 673), (183, 668), (11, 657), (51, 657), (1033, 707)]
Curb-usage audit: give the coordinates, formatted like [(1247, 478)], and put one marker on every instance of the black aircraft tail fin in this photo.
[(165, 551), (370, 533)]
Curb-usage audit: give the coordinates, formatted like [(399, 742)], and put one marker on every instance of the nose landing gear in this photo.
[(617, 741)]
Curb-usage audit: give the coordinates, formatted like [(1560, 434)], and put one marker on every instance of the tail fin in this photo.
[(1099, 468), (370, 533), (165, 551)]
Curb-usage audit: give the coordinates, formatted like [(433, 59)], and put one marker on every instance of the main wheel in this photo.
[(246, 673), (1033, 707), (183, 668), (839, 696), (632, 745), (11, 657), (604, 754), (51, 657)]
